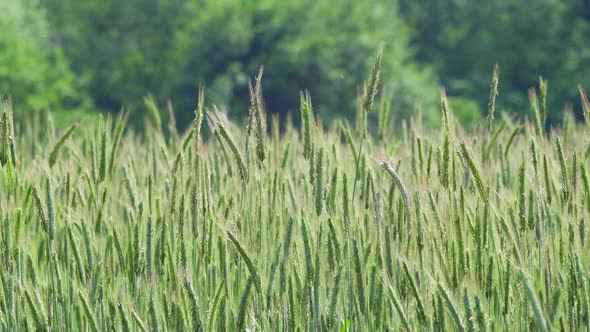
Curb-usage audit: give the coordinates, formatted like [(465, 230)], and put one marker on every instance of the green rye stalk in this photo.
[(306, 124), (249, 263), (563, 168), (537, 117), (414, 287), (452, 308), (241, 320), (232, 145), (5, 136), (319, 183), (474, 172), (56, 148), (532, 296), (88, 312), (195, 316), (40, 210), (372, 85), (401, 187), (257, 117), (585, 105), (493, 95), (543, 106)]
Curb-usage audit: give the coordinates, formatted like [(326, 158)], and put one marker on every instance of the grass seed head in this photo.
[(585, 104), (493, 95), (372, 85)]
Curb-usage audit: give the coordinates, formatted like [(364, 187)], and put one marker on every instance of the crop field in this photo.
[(366, 227)]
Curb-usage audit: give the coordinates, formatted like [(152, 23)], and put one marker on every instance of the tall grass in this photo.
[(459, 229)]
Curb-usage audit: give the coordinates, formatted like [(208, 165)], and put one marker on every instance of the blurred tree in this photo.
[(169, 47), (321, 46), (122, 46), (122, 50), (33, 73), (463, 39)]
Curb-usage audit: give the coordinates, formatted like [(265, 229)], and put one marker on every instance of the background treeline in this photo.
[(74, 56)]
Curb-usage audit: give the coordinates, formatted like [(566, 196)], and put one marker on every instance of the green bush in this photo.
[(33, 73)]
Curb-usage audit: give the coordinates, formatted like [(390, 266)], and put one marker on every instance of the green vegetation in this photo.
[(85, 55), (463, 40), (169, 47), (311, 229), (34, 73)]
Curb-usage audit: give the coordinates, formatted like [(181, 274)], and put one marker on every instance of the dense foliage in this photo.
[(464, 39), (480, 229), (33, 72), (168, 48), (105, 55)]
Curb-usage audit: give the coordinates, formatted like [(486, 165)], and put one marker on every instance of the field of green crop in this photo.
[(104, 229)]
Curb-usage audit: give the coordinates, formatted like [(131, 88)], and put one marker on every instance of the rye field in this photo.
[(369, 226)]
